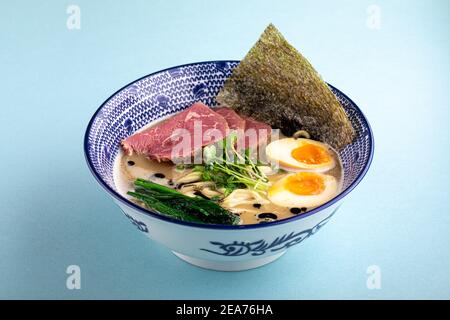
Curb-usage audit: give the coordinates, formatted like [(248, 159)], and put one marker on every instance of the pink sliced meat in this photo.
[(256, 133), (235, 122), (180, 136), (251, 133)]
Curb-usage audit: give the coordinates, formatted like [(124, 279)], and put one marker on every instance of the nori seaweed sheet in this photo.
[(275, 84)]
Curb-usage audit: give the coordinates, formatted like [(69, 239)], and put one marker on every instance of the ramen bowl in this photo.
[(217, 247)]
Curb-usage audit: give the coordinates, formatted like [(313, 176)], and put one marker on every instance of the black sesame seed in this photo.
[(160, 175), (170, 182), (199, 194), (268, 215), (257, 205), (131, 163), (296, 210), (304, 209)]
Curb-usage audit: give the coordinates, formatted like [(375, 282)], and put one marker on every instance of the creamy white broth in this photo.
[(128, 168)]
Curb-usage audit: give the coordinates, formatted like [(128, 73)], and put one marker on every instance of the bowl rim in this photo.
[(147, 212)]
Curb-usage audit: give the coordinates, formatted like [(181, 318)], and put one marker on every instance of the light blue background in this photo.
[(53, 214)]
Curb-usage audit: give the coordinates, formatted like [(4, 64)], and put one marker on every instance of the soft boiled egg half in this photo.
[(303, 189), (301, 154)]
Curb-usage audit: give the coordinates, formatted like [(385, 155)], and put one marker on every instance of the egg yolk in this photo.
[(305, 184), (311, 154)]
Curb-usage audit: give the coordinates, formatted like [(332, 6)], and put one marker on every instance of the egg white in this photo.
[(280, 195), (279, 151)]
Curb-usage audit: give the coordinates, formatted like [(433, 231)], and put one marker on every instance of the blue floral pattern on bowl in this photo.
[(260, 247)]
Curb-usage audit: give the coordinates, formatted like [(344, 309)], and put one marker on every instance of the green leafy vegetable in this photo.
[(172, 203), (231, 169)]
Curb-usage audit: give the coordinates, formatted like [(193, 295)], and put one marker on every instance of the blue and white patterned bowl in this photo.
[(228, 248)]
